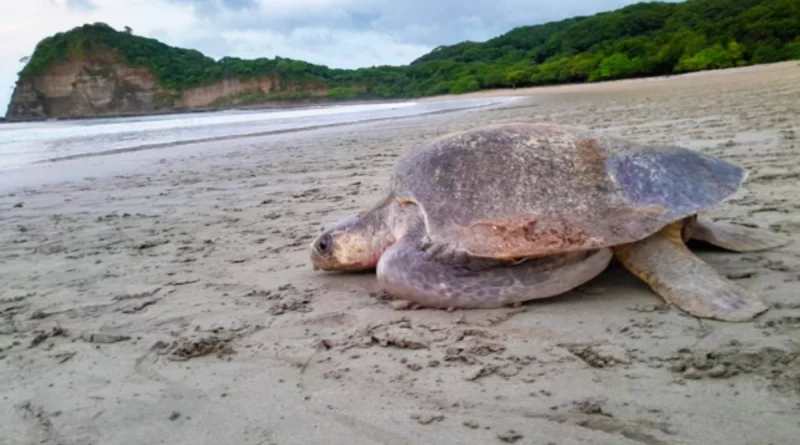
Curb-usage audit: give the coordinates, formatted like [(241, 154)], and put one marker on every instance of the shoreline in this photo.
[(280, 105), (173, 300), (30, 167), (312, 103), (258, 134), (267, 106)]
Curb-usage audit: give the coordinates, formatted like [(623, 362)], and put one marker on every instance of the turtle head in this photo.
[(352, 244)]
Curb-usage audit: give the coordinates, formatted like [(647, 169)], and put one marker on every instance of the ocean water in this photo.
[(27, 144)]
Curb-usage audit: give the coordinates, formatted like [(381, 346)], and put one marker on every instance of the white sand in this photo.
[(201, 260)]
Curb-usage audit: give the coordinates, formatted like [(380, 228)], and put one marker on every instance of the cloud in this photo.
[(423, 22), (337, 33), (81, 5), (209, 8)]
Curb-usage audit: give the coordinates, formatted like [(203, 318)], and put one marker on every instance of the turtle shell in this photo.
[(532, 189)]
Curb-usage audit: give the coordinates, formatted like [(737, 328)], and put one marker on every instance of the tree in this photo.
[(766, 53), (465, 85), (714, 57), (792, 50), (617, 66), (516, 77)]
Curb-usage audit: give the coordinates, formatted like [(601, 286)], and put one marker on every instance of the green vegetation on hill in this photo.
[(643, 39)]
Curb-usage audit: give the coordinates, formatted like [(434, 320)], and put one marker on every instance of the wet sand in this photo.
[(176, 305)]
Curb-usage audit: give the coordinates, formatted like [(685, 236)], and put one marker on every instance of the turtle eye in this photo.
[(324, 243)]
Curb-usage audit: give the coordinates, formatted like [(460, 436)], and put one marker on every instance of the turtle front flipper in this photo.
[(449, 280), (736, 237), (684, 280)]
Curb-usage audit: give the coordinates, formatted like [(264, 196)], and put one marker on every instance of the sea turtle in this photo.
[(501, 214)]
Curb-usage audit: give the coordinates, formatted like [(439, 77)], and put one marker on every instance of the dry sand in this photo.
[(176, 305)]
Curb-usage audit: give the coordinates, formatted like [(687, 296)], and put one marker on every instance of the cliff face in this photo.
[(103, 85), (207, 95), (88, 87), (237, 91)]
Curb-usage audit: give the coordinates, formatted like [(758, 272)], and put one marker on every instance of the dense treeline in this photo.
[(640, 40)]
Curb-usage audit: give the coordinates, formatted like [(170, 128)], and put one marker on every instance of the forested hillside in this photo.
[(644, 39)]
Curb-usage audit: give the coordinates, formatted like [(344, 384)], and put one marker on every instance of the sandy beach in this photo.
[(176, 304)]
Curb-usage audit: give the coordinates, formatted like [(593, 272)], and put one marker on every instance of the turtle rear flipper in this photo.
[(736, 237), (684, 280)]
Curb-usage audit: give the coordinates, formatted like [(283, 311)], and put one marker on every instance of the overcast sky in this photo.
[(337, 33)]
